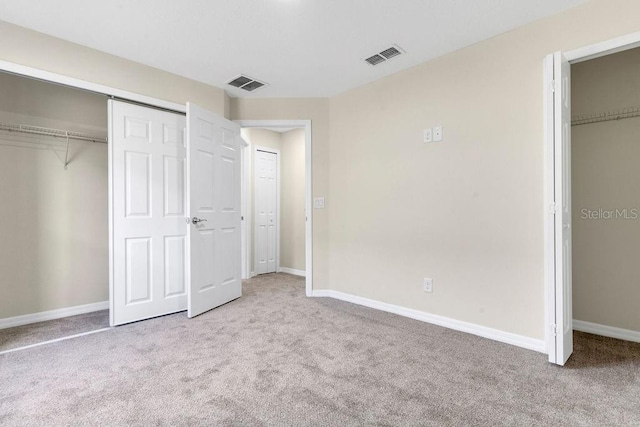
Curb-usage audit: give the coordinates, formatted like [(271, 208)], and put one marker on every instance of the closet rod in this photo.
[(625, 113), (51, 132)]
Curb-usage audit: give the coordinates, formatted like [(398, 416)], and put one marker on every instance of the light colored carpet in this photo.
[(20, 336), (274, 357)]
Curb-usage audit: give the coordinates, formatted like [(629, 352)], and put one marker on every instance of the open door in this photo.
[(562, 208), (213, 162)]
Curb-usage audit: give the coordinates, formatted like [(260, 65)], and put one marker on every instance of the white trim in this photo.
[(26, 319), (606, 331), (89, 86), (257, 148), (549, 216), (110, 214), (245, 172), (458, 325), (293, 271), (593, 51), (306, 125), (608, 47), (26, 347)]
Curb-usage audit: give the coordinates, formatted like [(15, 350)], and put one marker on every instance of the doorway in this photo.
[(293, 213), (559, 214), (54, 228)]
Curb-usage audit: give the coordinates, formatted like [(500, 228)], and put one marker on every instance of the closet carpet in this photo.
[(275, 357), (20, 336)]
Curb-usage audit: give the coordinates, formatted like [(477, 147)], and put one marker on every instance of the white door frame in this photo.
[(597, 50), (47, 76), (285, 124), (257, 148)]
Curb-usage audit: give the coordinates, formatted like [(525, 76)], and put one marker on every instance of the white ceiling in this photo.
[(302, 48)]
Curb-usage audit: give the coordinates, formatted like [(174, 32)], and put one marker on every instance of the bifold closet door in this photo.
[(266, 199), (148, 209), (214, 205)]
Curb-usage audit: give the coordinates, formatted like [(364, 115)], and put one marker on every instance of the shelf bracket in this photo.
[(66, 155)]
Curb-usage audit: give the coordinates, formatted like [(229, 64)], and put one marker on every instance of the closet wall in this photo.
[(53, 222), (291, 145), (606, 177)]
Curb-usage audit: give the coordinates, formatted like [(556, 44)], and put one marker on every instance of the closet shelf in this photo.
[(625, 113), (58, 133)]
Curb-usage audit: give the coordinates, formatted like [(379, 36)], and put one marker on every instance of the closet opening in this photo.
[(605, 150), (54, 260), (592, 210)]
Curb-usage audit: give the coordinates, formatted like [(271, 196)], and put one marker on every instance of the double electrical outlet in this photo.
[(428, 285), (433, 134)]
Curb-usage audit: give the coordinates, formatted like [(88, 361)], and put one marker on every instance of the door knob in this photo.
[(196, 220)]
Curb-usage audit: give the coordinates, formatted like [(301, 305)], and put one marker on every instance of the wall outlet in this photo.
[(437, 133), (428, 135), (318, 203), (428, 285)]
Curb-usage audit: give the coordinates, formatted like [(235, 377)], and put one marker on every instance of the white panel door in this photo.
[(147, 199), (266, 199), (214, 209), (562, 165)]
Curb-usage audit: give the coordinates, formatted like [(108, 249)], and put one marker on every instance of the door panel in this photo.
[(147, 201), (266, 196), (214, 201), (562, 164)]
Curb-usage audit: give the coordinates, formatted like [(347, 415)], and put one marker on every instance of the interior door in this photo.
[(266, 195), (214, 208), (562, 166), (147, 205)]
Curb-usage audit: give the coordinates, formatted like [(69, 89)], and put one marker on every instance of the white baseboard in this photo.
[(606, 331), (9, 322), (293, 271), (471, 328)]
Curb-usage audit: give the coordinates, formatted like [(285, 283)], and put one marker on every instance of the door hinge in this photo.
[(554, 85), (554, 330), (553, 208)]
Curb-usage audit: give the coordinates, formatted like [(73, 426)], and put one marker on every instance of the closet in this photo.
[(113, 204), (54, 222), (605, 194)]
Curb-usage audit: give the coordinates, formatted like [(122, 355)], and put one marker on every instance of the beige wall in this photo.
[(26, 47), (606, 173), (53, 222), (292, 186), (467, 212), (316, 110), (292, 248)]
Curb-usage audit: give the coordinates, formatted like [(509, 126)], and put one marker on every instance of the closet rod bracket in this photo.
[(66, 154)]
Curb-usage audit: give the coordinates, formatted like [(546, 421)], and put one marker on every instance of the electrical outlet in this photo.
[(318, 203), (437, 133), (428, 135), (428, 285)]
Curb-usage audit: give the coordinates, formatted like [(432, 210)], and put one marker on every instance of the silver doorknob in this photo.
[(196, 220)]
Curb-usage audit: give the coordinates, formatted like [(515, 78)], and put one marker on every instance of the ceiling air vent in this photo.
[(385, 55), (246, 83)]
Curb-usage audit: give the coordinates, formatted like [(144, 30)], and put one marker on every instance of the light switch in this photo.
[(437, 133), (318, 202), (428, 135)]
